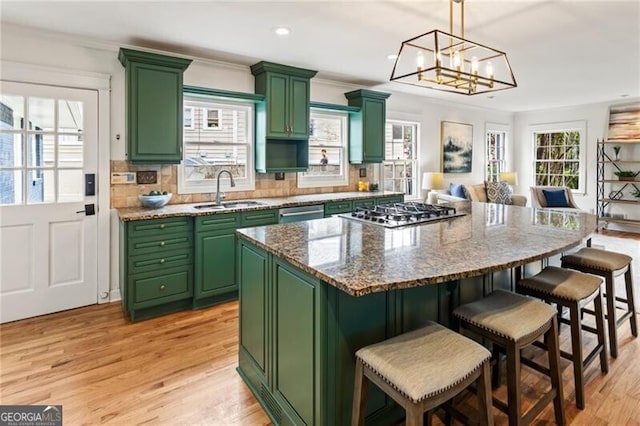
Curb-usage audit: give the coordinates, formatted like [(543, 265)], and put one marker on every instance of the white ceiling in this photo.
[(562, 52)]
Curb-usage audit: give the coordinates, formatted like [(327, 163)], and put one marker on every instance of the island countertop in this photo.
[(360, 258)]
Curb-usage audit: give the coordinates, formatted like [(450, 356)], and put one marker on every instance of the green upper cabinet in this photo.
[(153, 85), (366, 127), (282, 120)]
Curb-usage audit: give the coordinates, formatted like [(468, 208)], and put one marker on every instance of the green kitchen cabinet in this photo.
[(156, 266), (366, 127), (215, 253), (153, 86), (282, 120), (387, 200), (336, 207)]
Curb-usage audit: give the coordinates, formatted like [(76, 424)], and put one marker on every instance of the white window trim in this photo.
[(581, 127), (205, 119), (210, 185), (335, 180)]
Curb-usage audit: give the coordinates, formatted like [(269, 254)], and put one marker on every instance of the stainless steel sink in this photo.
[(240, 204), (229, 205)]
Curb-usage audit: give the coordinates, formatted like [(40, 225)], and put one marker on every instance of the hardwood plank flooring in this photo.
[(180, 370)]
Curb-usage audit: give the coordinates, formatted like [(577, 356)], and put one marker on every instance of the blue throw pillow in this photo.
[(555, 198), (457, 190)]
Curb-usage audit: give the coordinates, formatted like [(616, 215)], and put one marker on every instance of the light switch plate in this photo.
[(122, 177)]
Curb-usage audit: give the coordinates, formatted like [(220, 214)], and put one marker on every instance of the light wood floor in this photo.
[(180, 370)]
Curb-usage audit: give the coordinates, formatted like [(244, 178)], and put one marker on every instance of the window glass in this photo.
[(559, 154), (495, 161), (400, 166), (327, 150), (207, 153)]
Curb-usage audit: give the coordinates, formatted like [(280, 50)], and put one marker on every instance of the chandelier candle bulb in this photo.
[(474, 65)]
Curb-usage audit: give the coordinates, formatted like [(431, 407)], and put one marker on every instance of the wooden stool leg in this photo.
[(359, 395), (611, 316), (604, 362), (485, 404), (414, 415), (576, 351), (513, 384), (495, 373), (551, 339), (631, 303)]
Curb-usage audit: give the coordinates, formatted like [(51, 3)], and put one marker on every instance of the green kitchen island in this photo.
[(312, 293)]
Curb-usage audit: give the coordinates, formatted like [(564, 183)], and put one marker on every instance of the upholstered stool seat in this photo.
[(422, 369), (512, 322), (609, 265), (573, 289)]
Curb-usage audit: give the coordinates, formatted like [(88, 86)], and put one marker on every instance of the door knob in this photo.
[(89, 210)]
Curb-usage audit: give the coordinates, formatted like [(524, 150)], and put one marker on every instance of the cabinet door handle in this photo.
[(162, 287), (162, 226), (162, 260), (162, 243)]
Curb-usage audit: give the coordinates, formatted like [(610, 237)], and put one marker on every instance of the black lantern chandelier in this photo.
[(443, 61)]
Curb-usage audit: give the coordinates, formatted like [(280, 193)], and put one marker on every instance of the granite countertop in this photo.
[(361, 258), (174, 210)]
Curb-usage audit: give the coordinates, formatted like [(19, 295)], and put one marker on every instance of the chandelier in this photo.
[(444, 61)]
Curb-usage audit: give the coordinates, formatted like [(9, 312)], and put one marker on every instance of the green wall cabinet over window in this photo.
[(153, 85), (366, 127), (282, 120)]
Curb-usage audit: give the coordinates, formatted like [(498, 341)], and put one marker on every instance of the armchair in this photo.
[(539, 200)]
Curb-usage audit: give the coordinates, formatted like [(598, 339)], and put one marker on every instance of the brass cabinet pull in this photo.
[(162, 287), (162, 226), (162, 243), (162, 260)]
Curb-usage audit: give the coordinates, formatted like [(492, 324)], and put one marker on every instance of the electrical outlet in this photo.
[(122, 177), (279, 175), (363, 172)]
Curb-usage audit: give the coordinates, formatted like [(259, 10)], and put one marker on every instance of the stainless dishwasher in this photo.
[(298, 214)]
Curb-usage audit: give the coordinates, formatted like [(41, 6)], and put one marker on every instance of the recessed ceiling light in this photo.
[(624, 96), (282, 31), (490, 96), (392, 57)]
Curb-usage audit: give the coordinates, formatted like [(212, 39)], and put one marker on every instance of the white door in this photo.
[(48, 245)]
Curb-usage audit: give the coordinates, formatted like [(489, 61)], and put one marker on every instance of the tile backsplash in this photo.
[(126, 195)]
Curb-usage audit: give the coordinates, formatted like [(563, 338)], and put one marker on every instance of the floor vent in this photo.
[(272, 405)]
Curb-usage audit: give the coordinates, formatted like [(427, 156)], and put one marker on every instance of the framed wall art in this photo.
[(457, 147)]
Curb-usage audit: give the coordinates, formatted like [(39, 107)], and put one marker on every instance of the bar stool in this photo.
[(513, 321), (422, 369), (609, 265), (573, 289)]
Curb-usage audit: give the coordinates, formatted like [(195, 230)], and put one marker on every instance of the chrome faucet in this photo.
[(233, 183)]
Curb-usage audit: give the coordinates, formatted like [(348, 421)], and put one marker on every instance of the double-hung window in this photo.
[(207, 152), (496, 144), (328, 138), (400, 159), (559, 155)]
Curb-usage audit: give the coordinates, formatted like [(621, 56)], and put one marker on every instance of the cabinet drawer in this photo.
[(160, 244), (259, 217), (337, 207), (386, 200), (156, 227), (369, 203), (160, 262), (217, 221), (155, 290)]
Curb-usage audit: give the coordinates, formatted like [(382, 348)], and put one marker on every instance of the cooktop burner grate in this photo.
[(395, 215)]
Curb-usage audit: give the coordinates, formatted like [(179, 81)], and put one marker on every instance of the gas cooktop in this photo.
[(396, 215)]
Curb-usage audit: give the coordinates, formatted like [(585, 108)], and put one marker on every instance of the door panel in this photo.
[(48, 257)]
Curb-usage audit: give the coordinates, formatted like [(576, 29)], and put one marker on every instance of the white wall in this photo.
[(597, 119)]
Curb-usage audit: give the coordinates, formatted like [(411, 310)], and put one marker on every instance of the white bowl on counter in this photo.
[(154, 201)]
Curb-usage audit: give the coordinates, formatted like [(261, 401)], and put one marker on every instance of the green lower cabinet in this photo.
[(336, 207), (387, 200)]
